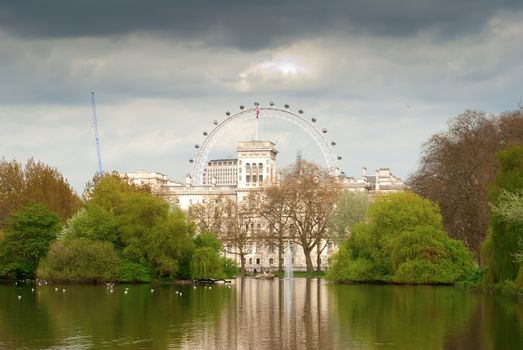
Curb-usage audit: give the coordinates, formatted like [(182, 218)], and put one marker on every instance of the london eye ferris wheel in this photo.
[(292, 132)]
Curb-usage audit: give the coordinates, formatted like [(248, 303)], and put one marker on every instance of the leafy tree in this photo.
[(29, 233), (205, 263), (351, 209), (12, 188), (151, 239), (404, 241), (206, 239), (502, 246), (228, 269), (458, 165), (92, 222), (36, 182), (80, 260)]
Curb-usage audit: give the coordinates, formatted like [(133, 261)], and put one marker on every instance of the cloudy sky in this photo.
[(381, 76)]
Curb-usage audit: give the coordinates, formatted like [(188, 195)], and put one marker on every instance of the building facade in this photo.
[(253, 169)]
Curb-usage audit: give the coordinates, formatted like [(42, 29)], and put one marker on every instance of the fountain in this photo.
[(288, 262)]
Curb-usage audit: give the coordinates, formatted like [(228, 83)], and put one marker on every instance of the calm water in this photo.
[(252, 314)]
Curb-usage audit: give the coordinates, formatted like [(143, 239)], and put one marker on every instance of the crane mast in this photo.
[(96, 137)]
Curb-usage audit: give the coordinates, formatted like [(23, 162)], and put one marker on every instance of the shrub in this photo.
[(80, 260), (134, 272)]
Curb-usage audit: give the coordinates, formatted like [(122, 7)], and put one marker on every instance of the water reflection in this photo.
[(257, 314)]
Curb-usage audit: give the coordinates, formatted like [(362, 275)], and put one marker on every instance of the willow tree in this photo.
[(311, 195), (506, 222)]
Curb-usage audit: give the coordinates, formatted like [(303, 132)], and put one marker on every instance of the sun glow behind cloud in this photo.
[(272, 68)]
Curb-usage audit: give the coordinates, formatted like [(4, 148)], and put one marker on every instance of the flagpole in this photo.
[(257, 115)]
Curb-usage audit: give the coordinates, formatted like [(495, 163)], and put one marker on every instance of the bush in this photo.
[(134, 272), (79, 260)]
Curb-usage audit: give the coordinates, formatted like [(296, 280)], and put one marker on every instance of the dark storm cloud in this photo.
[(246, 24)]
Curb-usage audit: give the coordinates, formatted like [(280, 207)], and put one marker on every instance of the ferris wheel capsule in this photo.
[(333, 143), (197, 146), (286, 106), (256, 104), (215, 122), (300, 111), (191, 160), (324, 130), (271, 104), (313, 120), (205, 133), (227, 113), (242, 107), (339, 157)]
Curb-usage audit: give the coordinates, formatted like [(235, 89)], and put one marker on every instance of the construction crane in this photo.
[(96, 137)]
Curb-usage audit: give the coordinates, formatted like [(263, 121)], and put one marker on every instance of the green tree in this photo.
[(29, 233), (150, 237), (404, 241), (80, 260), (229, 267), (205, 263), (92, 222), (351, 209), (503, 244)]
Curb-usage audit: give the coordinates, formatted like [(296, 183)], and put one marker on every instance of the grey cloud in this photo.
[(245, 24)]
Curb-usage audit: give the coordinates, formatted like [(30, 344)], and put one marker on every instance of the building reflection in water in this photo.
[(271, 314)]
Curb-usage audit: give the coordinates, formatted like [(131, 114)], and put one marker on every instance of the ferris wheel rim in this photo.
[(297, 119)]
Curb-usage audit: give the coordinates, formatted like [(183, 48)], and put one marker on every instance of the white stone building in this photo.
[(254, 168)]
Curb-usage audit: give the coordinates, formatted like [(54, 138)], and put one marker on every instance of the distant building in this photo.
[(221, 172), (254, 168)]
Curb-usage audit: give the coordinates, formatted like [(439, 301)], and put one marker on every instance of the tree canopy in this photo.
[(458, 166), (36, 182), (29, 233), (403, 241), (505, 240)]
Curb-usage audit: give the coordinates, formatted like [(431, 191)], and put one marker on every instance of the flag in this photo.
[(257, 111)]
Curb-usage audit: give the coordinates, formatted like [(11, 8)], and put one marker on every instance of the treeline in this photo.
[(118, 232), (473, 172)]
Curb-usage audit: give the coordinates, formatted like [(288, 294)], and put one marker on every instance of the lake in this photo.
[(257, 314)]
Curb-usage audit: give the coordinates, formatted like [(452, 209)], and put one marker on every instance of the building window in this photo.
[(261, 178), (271, 248), (247, 178), (250, 261), (271, 261), (257, 261)]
